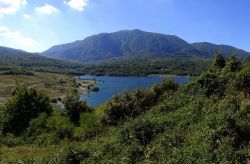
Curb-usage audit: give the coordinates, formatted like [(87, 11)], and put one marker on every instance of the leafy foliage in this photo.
[(148, 65), (24, 106), (205, 121), (219, 61), (125, 106), (74, 106), (60, 126), (232, 64), (243, 80)]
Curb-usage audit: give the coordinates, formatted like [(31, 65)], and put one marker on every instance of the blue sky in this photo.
[(36, 25)]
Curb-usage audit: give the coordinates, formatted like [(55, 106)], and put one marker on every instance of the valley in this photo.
[(124, 82), (163, 100), (166, 118)]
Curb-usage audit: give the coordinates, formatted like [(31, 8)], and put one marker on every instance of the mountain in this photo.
[(133, 44), (208, 49), (22, 58), (127, 43)]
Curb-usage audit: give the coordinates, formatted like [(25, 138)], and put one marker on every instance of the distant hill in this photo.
[(208, 49), (26, 59), (134, 44)]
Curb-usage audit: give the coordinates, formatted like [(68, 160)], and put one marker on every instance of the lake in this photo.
[(112, 85)]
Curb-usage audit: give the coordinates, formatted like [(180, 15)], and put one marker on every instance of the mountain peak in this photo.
[(133, 44)]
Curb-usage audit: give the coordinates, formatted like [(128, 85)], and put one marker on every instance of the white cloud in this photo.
[(27, 16), (78, 5), (46, 9), (11, 6), (17, 40)]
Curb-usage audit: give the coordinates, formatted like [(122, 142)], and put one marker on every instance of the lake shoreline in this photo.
[(113, 85), (148, 75)]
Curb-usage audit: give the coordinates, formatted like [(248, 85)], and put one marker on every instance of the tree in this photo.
[(167, 85), (211, 84), (74, 106), (218, 61), (26, 104), (243, 80), (232, 64), (125, 106)]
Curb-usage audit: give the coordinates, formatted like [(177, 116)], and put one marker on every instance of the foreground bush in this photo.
[(206, 121), (20, 109), (125, 106), (74, 106)]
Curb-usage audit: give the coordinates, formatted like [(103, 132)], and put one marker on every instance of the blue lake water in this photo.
[(112, 85)]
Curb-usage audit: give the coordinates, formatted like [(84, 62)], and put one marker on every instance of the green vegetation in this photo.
[(25, 105), (53, 84), (134, 44), (205, 121), (74, 106), (16, 62), (146, 66), (12, 60)]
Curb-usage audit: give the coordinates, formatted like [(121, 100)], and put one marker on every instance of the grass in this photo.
[(26, 152), (52, 84)]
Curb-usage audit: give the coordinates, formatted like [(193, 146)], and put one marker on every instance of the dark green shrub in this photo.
[(125, 106), (60, 126), (89, 128), (69, 155), (232, 64), (11, 140), (143, 131), (243, 80), (74, 106), (24, 106), (133, 153), (168, 86), (211, 84), (74, 156), (37, 125), (46, 139), (218, 61)]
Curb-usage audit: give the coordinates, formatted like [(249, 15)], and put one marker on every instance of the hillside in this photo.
[(208, 49), (21, 58), (133, 44), (204, 121)]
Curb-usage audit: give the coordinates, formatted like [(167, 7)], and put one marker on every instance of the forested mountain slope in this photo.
[(26, 59), (133, 44)]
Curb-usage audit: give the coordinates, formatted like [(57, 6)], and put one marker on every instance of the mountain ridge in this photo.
[(133, 44), (23, 58)]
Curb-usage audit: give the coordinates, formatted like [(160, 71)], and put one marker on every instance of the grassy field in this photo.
[(27, 152), (54, 85)]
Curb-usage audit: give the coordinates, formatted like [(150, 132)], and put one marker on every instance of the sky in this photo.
[(36, 25)]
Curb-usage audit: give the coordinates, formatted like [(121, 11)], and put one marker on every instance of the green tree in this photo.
[(60, 126), (218, 61), (123, 107), (243, 80), (25, 105), (37, 125), (74, 106), (211, 84), (232, 64)]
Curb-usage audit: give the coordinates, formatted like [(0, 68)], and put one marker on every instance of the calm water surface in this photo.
[(112, 85)]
